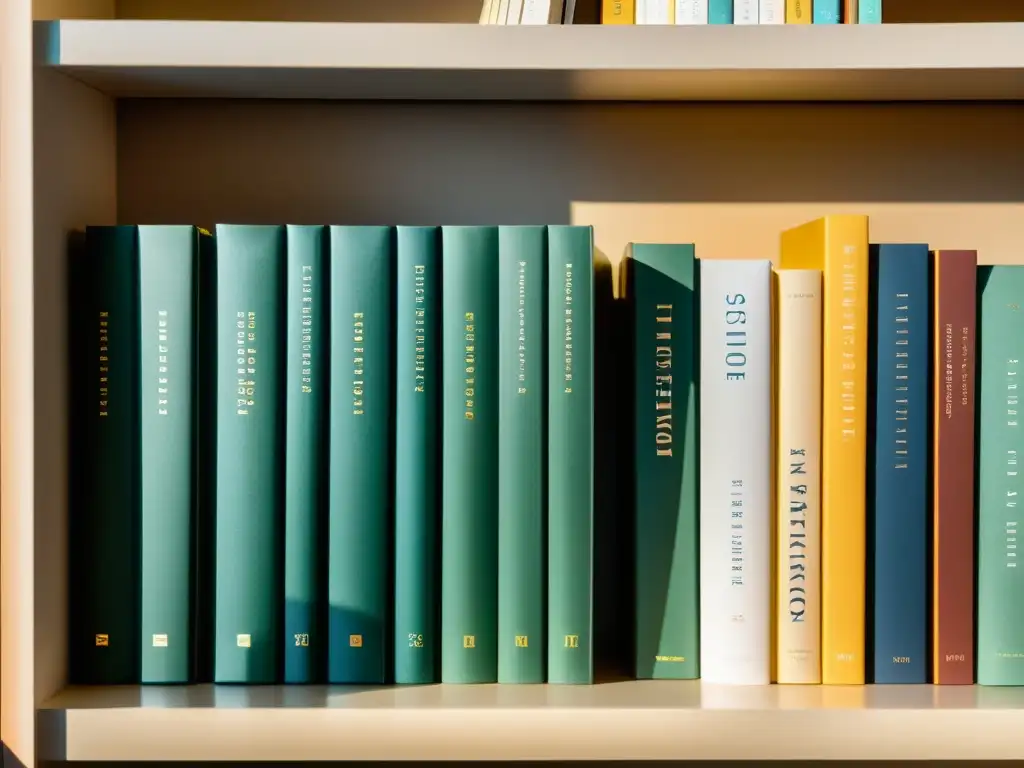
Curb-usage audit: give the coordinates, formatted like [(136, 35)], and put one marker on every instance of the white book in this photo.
[(772, 12), (485, 11), (541, 12), (798, 478), (735, 471), (744, 11), (502, 11), (658, 11), (691, 11), (515, 12)]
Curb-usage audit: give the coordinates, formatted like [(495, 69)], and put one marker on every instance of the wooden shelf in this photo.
[(654, 720), (915, 62)]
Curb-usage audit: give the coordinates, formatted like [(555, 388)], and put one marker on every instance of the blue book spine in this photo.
[(899, 496), (719, 11), (869, 12), (826, 11)]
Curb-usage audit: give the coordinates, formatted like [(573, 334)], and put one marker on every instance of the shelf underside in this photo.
[(621, 720), (900, 62)]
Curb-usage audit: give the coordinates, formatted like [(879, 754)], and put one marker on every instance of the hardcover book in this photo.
[(361, 434), (898, 481), (745, 11), (798, 478), (720, 11), (661, 287), (735, 471), (953, 413)]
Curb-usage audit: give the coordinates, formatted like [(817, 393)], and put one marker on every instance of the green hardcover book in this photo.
[(522, 406), (661, 290), (169, 258), (417, 448), (570, 454), (250, 453), (362, 285), (469, 474), (305, 451), (104, 450), (1000, 342)]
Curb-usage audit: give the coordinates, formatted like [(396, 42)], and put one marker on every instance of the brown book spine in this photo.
[(955, 313), (849, 11)]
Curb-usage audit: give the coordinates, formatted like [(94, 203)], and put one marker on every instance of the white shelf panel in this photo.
[(654, 720), (889, 62)]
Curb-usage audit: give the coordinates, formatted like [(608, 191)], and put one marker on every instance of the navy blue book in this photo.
[(898, 492)]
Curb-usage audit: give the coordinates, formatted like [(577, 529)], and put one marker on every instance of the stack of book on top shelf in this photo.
[(741, 12), (361, 454)]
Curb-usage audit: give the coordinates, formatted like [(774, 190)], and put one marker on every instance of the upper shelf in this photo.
[(897, 62)]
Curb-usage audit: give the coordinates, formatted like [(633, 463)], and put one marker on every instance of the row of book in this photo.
[(364, 454), (741, 12)]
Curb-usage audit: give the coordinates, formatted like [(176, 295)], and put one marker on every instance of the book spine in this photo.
[(103, 520), (515, 12), (662, 292), (570, 454), (771, 12), (691, 11), (522, 277), (618, 12), (745, 11), (362, 273), (826, 11), (798, 479), (417, 446), (250, 441), (849, 11), (1000, 444), (659, 12), (869, 12), (799, 11), (469, 473), (898, 488), (305, 477), (735, 471), (719, 11), (167, 312), (953, 345)]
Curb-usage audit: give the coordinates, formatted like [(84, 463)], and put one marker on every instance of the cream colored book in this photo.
[(798, 478), (485, 11)]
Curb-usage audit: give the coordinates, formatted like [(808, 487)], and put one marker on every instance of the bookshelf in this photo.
[(719, 136)]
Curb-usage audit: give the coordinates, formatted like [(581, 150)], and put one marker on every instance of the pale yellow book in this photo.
[(798, 476), (798, 11), (618, 11), (838, 246)]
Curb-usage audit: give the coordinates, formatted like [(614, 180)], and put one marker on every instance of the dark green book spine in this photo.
[(469, 474), (661, 288), (305, 475), (103, 522), (570, 454), (168, 258), (417, 448), (362, 285), (250, 460), (522, 411)]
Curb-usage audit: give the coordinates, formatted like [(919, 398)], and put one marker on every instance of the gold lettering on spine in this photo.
[(848, 395), (162, 352), (521, 336), (306, 336), (469, 390), (420, 325), (663, 380), (567, 330), (358, 351), (245, 341), (104, 364)]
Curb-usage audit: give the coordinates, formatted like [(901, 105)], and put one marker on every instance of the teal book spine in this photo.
[(663, 297), (103, 595), (868, 11), (570, 454), (827, 11), (720, 11), (417, 448), (305, 453), (249, 447), (522, 406), (362, 285), (469, 473), (1000, 638), (168, 260)]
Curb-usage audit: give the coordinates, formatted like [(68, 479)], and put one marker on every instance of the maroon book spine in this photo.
[(955, 313)]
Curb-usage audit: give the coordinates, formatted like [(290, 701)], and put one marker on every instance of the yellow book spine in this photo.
[(618, 11), (798, 11), (798, 477)]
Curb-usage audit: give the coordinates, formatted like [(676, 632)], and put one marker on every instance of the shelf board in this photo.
[(887, 62), (654, 720)]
